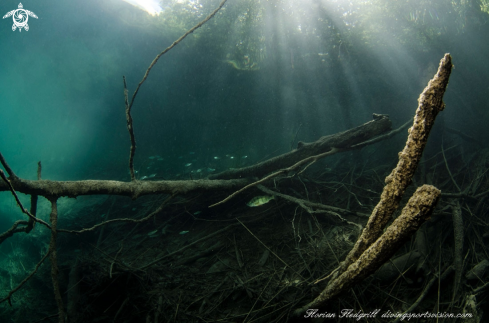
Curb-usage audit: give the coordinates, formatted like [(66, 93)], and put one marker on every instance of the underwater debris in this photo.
[(259, 200), (165, 229), (152, 233)]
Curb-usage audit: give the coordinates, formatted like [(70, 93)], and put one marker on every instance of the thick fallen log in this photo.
[(229, 180), (340, 140), (133, 189)]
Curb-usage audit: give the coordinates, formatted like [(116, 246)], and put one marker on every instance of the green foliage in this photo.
[(485, 6), (250, 34)]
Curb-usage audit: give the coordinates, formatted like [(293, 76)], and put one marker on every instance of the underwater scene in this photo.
[(244, 161)]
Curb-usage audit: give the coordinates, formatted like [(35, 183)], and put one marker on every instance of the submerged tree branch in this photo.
[(133, 189), (53, 256), (341, 140), (430, 104), (308, 153), (130, 128), (414, 214), (9, 186)]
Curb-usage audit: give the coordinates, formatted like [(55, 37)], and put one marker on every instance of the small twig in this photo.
[(458, 237), (158, 210), (448, 169), (9, 170), (173, 45), (463, 135), (13, 229), (293, 141), (22, 208), (188, 246), (39, 170), (310, 160), (120, 309), (131, 132), (437, 278), (115, 259), (382, 137), (309, 205), (271, 251), (481, 288), (7, 298), (257, 299)]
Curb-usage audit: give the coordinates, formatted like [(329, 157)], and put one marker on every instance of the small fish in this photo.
[(244, 157), (189, 164), (259, 200), (217, 157), (184, 232), (198, 212), (152, 157), (232, 157), (161, 159), (153, 232), (210, 170), (143, 178), (199, 170), (192, 153), (180, 157), (152, 175)]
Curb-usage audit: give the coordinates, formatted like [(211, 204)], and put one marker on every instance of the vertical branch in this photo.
[(34, 198), (200, 24), (54, 260), (458, 233), (131, 132), (430, 103), (33, 211), (39, 169), (126, 99)]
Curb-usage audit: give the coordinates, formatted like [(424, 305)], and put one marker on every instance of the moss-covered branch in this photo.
[(430, 103)]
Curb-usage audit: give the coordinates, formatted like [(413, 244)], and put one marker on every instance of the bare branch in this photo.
[(22, 208), (54, 260), (9, 170)]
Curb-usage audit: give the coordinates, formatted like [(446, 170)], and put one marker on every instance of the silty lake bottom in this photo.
[(256, 176)]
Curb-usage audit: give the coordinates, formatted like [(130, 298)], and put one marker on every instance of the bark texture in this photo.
[(415, 213), (430, 103)]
